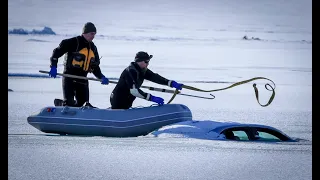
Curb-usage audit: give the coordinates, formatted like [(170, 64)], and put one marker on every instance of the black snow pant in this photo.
[(120, 103), (75, 89)]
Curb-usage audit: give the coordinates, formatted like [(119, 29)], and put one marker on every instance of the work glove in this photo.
[(53, 72), (156, 99), (104, 80), (176, 85)]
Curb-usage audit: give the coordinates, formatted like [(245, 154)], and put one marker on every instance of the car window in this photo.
[(264, 136), (242, 135), (254, 134)]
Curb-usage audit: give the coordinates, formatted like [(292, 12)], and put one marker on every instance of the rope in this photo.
[(233, 85), (174, 95)]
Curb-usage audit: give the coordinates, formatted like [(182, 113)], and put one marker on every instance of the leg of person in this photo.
[(68, 91), (82, 92), (118, 103)]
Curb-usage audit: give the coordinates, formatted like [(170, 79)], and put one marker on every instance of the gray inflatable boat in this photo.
[(132, 122)]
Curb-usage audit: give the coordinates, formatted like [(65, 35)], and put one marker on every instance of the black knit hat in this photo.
[(89, 27), (142, 56)]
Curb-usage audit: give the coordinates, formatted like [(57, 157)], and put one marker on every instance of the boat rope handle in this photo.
[(233, 85)]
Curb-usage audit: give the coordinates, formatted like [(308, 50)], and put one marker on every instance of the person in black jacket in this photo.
[(131, 79), (81, 58)]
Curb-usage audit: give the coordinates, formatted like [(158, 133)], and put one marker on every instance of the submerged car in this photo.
[(250, 132), (224, 131)]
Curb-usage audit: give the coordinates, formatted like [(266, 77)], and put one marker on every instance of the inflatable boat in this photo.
[(90, 121)]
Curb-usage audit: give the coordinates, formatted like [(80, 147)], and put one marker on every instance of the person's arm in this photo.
[(95, 67), (95, 64), (64, 46), (138, 92), (156, 78), (132, 75)]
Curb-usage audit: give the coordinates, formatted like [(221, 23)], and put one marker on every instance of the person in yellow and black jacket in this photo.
[(81, 58)]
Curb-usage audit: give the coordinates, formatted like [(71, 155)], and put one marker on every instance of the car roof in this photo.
[(221, 126)]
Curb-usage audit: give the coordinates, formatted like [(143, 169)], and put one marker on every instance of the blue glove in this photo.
[(176, 85), (104, 80), (53, 72), (156, 99)]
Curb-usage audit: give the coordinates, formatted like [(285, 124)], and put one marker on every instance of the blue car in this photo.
[(250, 132), (214, 130)]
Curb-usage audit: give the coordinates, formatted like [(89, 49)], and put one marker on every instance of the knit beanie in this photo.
[(89, 27)]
